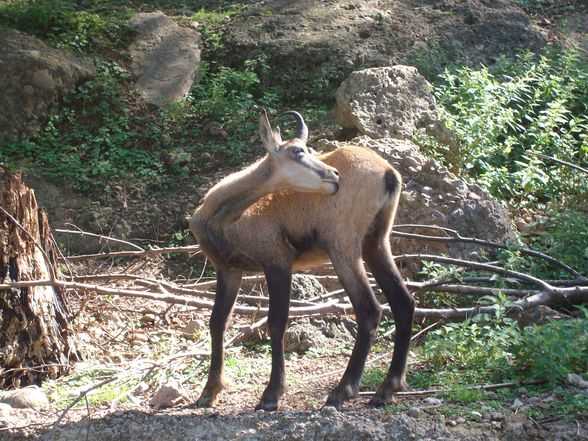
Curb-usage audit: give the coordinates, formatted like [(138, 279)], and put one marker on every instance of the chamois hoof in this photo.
[(205, 402), (341, 394), (267, 406), (385, 393), (378, 401)]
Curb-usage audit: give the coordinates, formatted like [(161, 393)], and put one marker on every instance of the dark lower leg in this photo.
[(227, 288), (380, 261), (278, 281), (367, 313)]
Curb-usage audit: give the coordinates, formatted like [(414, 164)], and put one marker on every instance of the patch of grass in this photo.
[(372, 377), (464, 395), (65, 390), (96, 140), (432, 59), (67, 25), (396, 408)]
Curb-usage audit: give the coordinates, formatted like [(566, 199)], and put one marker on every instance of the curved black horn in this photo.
[(301, 129)]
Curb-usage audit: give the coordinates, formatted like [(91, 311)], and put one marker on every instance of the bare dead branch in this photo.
[(192, 249), (415, 393), (333, 307), (99, 236), (456, 237), (559, 161), (479, 266)]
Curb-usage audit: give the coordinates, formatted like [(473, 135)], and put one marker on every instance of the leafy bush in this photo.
[(478, 347), (565, 237), (551, 351), (484, 349), (502, 116), (232, 98)]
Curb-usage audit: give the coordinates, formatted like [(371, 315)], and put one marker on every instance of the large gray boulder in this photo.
[(164, 56), (434, 196), (386, 102), (33, 79)]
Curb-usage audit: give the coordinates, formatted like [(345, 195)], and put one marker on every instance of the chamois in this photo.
[(293, 210)]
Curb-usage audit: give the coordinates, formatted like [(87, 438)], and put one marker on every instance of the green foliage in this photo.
[(480, 345), (487, 349), (95, 139), (461, 394), (551, 351), (501, 116), (565, 237), (232, 97), (65, 24), (211, 27), (431, 59)]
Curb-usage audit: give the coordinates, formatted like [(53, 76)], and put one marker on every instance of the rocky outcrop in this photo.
[(434, 196), (312, 46), (165, 57), (33, 79), (386, 102), (319, 334)]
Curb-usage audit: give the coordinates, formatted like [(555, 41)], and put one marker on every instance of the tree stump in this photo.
[(36, 338)]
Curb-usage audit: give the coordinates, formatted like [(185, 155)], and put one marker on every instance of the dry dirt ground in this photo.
[(124, 335)]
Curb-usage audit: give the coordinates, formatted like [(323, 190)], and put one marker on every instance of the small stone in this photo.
[(476, 414), (516, 404), (414, 412), (452, 423), (192, 328), (432, 401), (577, 380), (30, 397), (460, 420), (149, 318), (170, 394), (5, 410), (497, 416), (329, 410), (139, 338)]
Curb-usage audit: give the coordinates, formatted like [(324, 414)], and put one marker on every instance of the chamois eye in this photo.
[(297, 151)]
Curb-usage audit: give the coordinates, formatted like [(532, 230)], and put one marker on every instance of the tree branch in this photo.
[(559, 161), (456, 237)]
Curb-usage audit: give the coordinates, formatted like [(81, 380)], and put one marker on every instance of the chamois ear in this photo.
[(270, 138)]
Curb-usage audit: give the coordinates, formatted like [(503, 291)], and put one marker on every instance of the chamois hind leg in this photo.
[(378, 257), (279, 281), (228, 283), (353, 277)]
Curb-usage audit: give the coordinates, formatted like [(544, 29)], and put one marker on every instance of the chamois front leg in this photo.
[(228, 283), (353, 277), (379, 258), (278, 283)]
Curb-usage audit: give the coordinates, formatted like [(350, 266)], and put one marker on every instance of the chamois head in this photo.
[(294, 166)]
